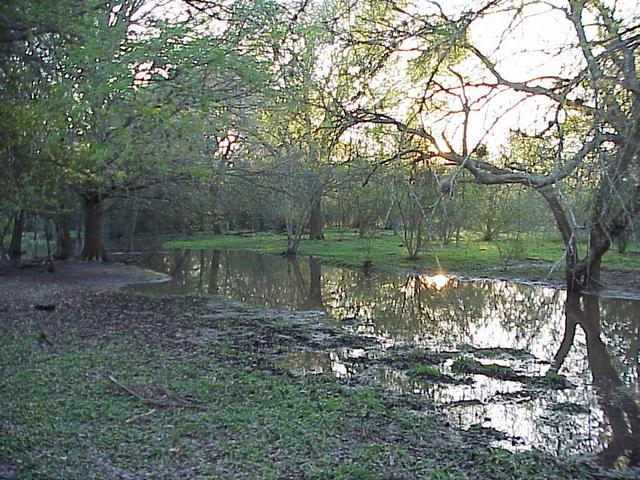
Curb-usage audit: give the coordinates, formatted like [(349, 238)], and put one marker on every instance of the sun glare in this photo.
[(435, 282)]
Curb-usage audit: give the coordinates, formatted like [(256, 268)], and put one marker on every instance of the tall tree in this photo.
[(133, 96), (585, 97)]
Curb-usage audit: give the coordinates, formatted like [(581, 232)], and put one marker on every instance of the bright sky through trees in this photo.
[(541, 44)]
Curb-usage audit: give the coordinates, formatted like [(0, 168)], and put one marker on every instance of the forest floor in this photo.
[(530, 259), (99, 383)]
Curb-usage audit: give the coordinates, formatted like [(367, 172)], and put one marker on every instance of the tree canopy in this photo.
[(216, 104)]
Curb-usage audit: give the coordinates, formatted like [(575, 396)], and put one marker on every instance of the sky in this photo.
[(533, 46)]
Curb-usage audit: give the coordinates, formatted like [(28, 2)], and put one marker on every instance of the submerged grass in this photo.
[(535, 257), (61, 418)]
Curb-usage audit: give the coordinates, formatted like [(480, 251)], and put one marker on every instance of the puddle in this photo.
[(512, 335), (342, 363)]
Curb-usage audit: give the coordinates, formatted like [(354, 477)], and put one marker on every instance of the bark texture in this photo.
[(315, 220), (64, 242), (15, 247), (93, 213)]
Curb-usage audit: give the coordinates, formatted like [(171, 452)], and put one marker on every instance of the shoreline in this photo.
[(224, 356)]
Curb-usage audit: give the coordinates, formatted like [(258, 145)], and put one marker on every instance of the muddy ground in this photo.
[(98, 383)]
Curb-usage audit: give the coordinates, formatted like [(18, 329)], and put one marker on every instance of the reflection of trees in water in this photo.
[(460, 312), (486, 313), (614, 396), (214, 268), (620, 322), (314, 299), (249, 276)]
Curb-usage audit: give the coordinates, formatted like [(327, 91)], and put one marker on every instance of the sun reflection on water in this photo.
[(418, 317), (435, 282), (416, 283)]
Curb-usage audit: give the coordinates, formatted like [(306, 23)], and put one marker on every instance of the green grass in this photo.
[(472, 257), (60, 417), (462, 363), (428, 372)]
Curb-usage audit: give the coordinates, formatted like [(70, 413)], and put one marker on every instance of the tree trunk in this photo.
[(3, 233), (588, 271), (213, 271), (292, 246), (47, 235), (592, 276), (64, 243), (572, 275), (35, 236), (488, 232), (315, 219), (78, 226), (133, 222), (15, 247), (315, 284), (93, 249)]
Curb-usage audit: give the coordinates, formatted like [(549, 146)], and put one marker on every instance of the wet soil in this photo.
[(86, 314)]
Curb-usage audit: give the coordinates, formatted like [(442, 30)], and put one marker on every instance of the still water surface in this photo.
[(593, 342)]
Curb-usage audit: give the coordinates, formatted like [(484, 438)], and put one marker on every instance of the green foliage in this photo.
[(427, 372), (467, 257), (117, 100), (462, 363)]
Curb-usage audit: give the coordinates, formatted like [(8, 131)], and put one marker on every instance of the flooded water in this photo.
[(543, 369)]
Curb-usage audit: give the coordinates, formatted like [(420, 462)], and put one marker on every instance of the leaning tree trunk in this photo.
[(93, 211), (572, 275), (315, 219), (64, 242), (15, 247)]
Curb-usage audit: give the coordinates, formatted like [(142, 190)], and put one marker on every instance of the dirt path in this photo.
[(23, 288)]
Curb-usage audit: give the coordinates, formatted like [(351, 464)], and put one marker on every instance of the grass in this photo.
[(470, 256), (463, 363), (60, 417), (432, 374), (429, 372), (468, 365)]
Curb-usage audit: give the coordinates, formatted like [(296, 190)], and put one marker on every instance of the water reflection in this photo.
[(599, 415), (262, 279), (415, 283), (615, 397)]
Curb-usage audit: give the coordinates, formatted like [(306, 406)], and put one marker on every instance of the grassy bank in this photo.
[(531, 257), (239, 412)]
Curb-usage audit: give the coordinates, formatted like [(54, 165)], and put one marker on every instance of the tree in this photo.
[(588, 113), (287, 147), (31, 34), (619, 407), (132, 99)]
